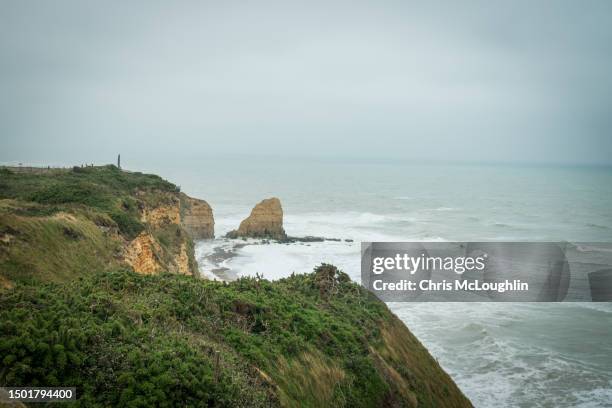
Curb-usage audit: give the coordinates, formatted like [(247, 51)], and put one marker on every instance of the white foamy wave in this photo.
[(359, 226), (445, 209), (495, 358), (276, 261), (595, 398), (203, 251), (603, 307), (348, 218)]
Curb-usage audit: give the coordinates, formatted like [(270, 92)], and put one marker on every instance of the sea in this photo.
[(500, 354)]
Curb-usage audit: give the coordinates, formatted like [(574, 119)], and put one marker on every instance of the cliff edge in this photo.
[(197, 218), (56, 225)]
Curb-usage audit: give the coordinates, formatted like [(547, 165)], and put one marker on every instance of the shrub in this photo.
[(71, 193), (128, 225)]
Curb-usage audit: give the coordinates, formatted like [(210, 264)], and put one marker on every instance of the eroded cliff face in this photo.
[(142, 254), (183, 262), (158, 209), (164, 215), (197, 218), (172, 222), (265, 221)]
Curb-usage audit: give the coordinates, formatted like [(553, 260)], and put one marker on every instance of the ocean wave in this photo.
[(445, 209), (592, 248), (497, 357), (594, 398), (603, 307), (525, 375), (362, 226)]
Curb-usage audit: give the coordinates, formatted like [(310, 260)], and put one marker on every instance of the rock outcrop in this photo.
[(178, 219), (182, 261), (171, 221), (146, 256), (197, 218), (161, 216), (265, 221), (142, 254)]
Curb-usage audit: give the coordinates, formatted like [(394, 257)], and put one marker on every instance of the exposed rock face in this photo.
[(182, 261), (265, 221), (197, 218), (171, 215), (158, 209), (146, 256), (142, 254), (160, 216)]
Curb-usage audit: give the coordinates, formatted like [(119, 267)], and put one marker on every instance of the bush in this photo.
[(71, 193), (128, 225)]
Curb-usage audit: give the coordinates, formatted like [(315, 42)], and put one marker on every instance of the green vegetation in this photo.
[(129, 340), (106, 189), (98, 187), (170, 237), (102, 205), (55, 248)]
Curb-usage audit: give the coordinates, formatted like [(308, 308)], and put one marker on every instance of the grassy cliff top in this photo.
[(106, 190), (97, 187), (56, 225)]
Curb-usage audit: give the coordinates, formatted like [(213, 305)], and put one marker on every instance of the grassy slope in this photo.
[(126, 339), (55, 226)]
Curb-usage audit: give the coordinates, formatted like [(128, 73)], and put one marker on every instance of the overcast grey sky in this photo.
[(494, 81)]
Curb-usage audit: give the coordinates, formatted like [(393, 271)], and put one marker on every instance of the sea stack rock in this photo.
[(197, 218), (265, 221)]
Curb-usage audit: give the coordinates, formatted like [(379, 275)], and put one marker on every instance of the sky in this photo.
[(512, 81)]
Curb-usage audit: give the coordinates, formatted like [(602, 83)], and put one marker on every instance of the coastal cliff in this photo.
[(197, 218), (55, 224), (265, 221)]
